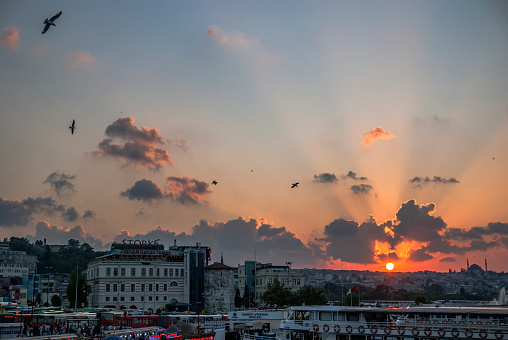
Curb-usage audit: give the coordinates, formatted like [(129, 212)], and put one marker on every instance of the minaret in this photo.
[(221, 258), (485, 264), (467, 264)]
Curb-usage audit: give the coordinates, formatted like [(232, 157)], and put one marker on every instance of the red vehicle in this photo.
[(117, 319)]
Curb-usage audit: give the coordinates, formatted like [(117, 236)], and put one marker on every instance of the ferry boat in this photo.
[(362, 323)]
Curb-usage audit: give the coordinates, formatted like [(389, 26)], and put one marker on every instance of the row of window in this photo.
[(150, 287), (167, 272), (296, 282), (122, 298)]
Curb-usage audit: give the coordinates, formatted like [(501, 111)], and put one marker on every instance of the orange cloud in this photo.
[(234, 39), (82, 59), (11, 38), (375, 133)]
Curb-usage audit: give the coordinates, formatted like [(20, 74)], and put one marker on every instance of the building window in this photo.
[(181, 272), (156, 287), (171, 272), (150, 270), (108, 271), (115, 287), (156, 297), (133, 287), (142, 287), (158, 272), (173, 284), (149, 298), (165, 272), (122, 298), (142, 298), (298, 281), (133, 271), (122, 271), (114, 298), (108, 287), (294, 282), (143, 271), (270, 280), (122, 287), (96, 272), (150, 287), (132, 298), (165, 298), (165, 287), (115, 271), (107, 298)]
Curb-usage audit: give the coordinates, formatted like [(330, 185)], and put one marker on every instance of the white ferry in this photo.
[(346, 323)]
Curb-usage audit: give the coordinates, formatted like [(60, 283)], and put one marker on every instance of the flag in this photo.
[(348, 292), (355, 288)]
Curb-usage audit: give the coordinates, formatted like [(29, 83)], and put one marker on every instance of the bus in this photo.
[(109, 320)]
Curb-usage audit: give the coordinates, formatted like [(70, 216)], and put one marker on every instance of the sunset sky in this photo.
[(391, 115)]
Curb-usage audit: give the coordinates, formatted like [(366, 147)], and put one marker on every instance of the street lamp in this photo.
[(47, 284)]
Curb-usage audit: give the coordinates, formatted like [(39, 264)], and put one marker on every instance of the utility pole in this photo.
[(77, 278)]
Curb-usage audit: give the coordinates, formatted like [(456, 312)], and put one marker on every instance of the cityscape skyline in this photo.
[(191, 122)]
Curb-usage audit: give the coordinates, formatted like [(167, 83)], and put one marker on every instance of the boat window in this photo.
[(325, 316), (291, 315), (339, 317), (302, 315), (353, 317)]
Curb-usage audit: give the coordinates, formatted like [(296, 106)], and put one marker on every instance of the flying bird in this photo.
[(50, 22), (214, 182), (294, 185), (73, 126)]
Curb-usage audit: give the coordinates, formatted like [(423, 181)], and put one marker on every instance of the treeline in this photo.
[(63, 261)]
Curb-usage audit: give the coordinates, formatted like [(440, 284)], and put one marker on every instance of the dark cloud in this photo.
[(391, 256), (419, 182), (60, 183), (186, 190), (139, 147), (476, 233), (89, 214), (352, 175), (350, 242), (20, 212), (61, 235), (419, 255), (361, 189), (448, 259), (70, 215), (325, 178), (143, 190)]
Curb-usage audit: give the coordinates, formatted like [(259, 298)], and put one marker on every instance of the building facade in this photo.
[(138, 274), (219, 293), (254, 277)]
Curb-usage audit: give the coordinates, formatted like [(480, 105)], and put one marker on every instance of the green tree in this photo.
[(420, 299), (83, 289), (310, 296), (276, 296), (56, 301), (248, 298), (238, 299)]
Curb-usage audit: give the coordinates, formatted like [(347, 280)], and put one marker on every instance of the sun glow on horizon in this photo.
[(389, 266)]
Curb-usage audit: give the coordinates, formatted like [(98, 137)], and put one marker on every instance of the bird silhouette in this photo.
[(214, 182), (294, 185), (73, 126), (50, 22)]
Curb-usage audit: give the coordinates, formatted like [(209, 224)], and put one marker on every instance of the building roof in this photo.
[(218, 265)]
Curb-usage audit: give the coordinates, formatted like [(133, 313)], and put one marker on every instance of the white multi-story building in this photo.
[(142, 275)]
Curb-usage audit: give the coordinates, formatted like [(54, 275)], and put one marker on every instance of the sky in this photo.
[(392, 117)]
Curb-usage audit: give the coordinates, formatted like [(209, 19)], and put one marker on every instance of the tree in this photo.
[(310, 296), (248, 298), (238, 299), (83, 289), (276, 296), (56, 301), (420, 299)]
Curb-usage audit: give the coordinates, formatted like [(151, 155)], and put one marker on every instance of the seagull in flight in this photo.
[(73, 126), (50, 22), (214, 182), (294, 185)]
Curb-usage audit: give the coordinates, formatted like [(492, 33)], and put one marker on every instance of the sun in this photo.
[(389, 266)]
